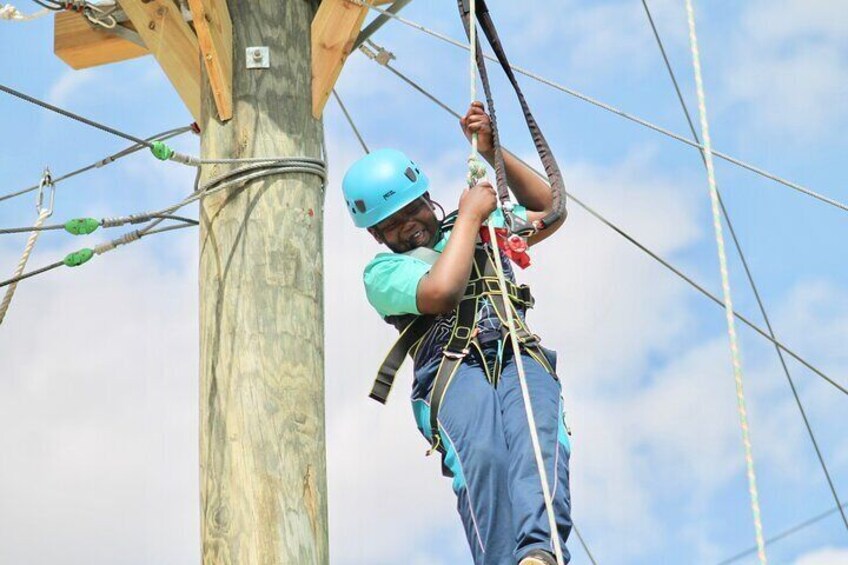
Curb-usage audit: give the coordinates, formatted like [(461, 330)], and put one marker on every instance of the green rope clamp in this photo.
[(82, 226), (161, 151), (77, 258)]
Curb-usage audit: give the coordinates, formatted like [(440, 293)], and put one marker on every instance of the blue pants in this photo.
[(489, 454)]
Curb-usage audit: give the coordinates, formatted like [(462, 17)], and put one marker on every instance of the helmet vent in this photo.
[(360, 205), (410, 174)]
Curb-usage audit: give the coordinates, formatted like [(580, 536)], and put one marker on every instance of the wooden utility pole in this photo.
[(262, 445)]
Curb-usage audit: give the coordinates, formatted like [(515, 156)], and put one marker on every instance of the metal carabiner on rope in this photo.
[(46, 181), (515, 224)]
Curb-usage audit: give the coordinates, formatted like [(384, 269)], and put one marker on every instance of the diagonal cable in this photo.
[(748, 273), (784, 534), (583, 544), (350, 121), (73, 116), (125, 239), (165, 135), (628, 237), (635, 119)]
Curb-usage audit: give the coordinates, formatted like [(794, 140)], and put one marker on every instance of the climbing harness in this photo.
[(483, 285), (44, 212), (725, 287), (487, 279)]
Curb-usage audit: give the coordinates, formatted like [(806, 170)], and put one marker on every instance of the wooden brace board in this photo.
[(334, 30), (171, 40), (215, 35), (81, 45)]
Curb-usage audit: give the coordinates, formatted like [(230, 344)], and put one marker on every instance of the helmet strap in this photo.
[(439, 206)]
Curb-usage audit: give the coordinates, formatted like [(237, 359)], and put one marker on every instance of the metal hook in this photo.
[(517, 225), (46, 181)]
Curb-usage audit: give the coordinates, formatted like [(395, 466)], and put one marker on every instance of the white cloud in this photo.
[(597, 40), (789, 66), (70, 85), (826, 556), (98, 404), (822, 307), (609, 295)]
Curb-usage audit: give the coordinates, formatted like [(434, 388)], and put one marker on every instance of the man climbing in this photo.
[(439, 288)]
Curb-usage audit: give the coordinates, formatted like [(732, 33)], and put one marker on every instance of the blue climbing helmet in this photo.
[(380, 184)]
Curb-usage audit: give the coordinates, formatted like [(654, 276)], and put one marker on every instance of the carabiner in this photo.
[(46, 181), (517, 225)]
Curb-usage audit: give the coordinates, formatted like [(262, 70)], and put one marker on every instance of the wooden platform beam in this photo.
[(81, 45), (170, 39), (334, 31), (215, 35)]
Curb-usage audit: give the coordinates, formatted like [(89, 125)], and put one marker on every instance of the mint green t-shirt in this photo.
[(391, 279)]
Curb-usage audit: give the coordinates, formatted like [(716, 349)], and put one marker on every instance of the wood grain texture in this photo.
[(334, 31), (262, 447), (171, 40), (81, 46), (215, 36)]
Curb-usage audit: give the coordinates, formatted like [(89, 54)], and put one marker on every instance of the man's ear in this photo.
[(375, 233)]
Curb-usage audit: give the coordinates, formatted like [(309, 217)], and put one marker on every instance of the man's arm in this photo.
[(530, 190), (441, 290)]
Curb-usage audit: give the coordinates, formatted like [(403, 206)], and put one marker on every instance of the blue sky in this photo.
[(99, 395)]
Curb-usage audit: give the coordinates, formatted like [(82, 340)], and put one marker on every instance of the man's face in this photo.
[(412, 226)]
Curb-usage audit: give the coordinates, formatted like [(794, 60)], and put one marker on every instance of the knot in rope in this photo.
[(476, 169)]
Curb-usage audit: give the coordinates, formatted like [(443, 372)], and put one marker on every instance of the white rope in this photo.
[(476, 171), (725, 287), (9, 12), (10, 292)]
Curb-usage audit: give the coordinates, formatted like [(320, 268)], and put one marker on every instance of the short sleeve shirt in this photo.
[(391, 279)]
